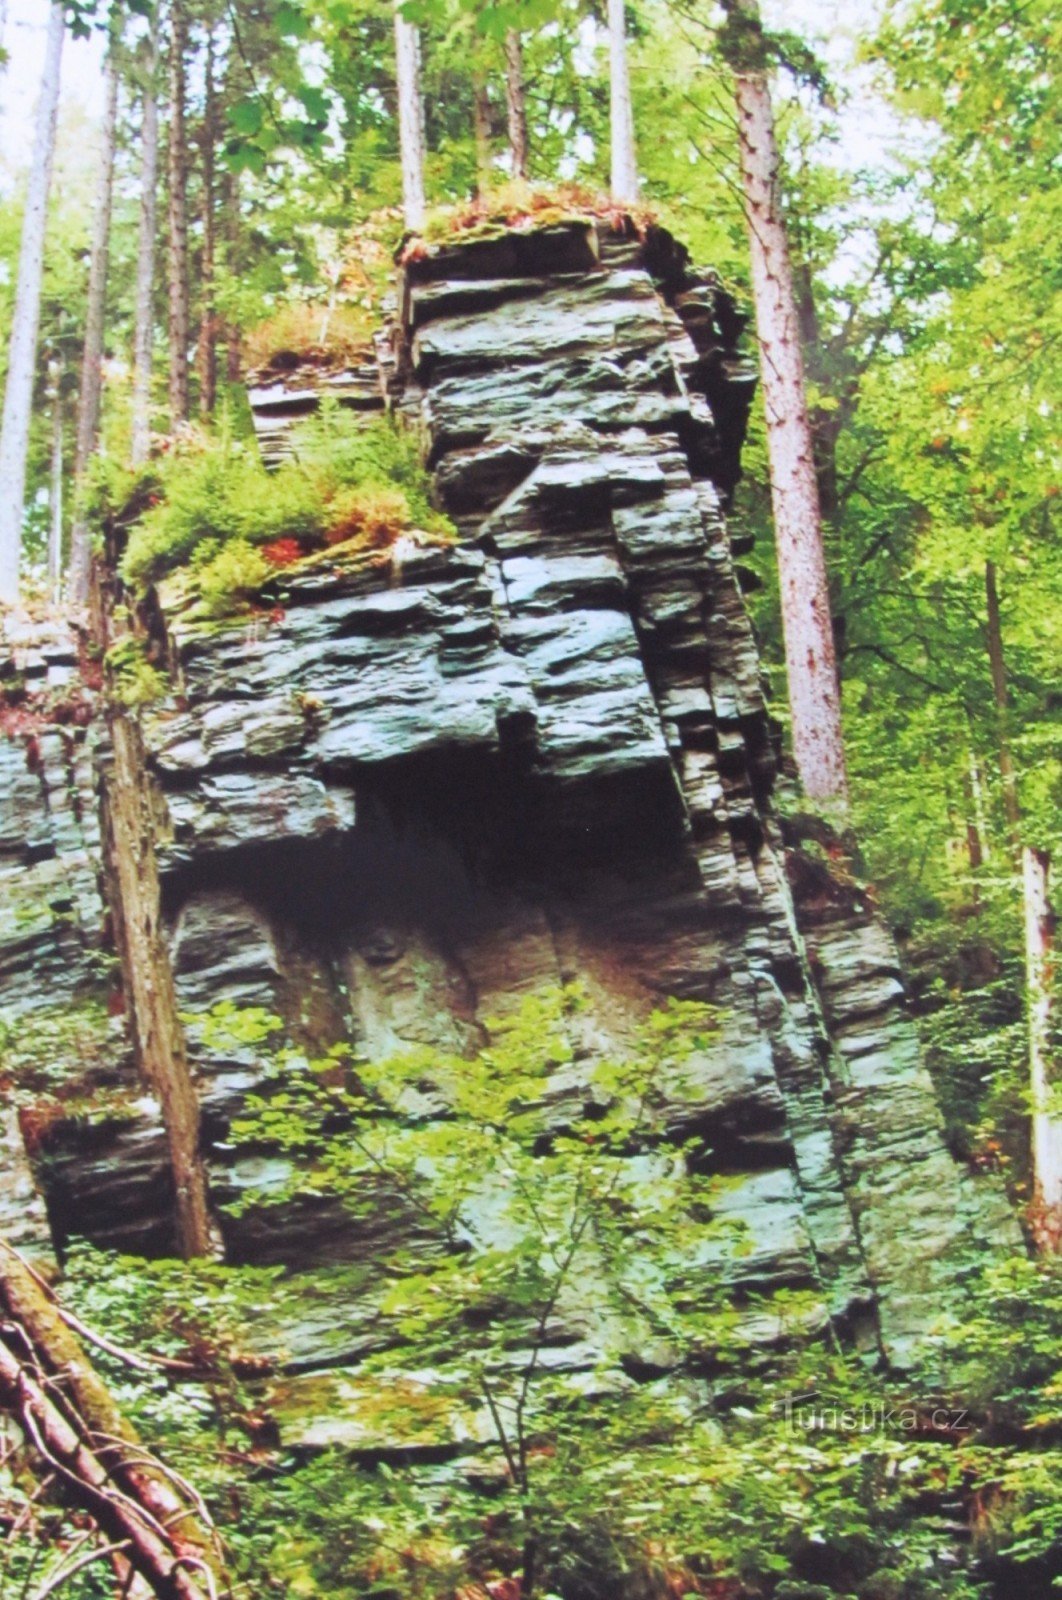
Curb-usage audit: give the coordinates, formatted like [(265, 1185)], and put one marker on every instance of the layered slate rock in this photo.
[(291, 387), (54, 984), (407, 793)]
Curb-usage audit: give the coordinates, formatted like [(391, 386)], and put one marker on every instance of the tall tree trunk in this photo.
[(178, 217), (482, 121), (55, 494), (22, 351), (814, 693), (516, 102), (144, 326), (157, 1031), (625, 185), (410, 119), (1001, 696), (208, 330), (88, 409), (1040, 923)]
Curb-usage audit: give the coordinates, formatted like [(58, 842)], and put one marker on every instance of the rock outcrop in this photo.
[(403, 796)]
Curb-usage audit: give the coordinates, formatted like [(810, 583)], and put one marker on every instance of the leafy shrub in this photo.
[(350, 478), (217, 489), (321, 334), (375, 516), (235, 572)]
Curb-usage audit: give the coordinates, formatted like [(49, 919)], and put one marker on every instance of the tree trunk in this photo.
[(1000, 694), (516, 102), (55, 496), (208, 331), (625, 185), (22, 351), (71, 1421), (88, 409), (974, 817), (814, 693), (410, 119), (178, 218), (144, 329), (482, 121), (157, 1032), (1040, 925)]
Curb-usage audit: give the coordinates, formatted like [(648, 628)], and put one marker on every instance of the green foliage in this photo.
[(235, 573), (216, 507), (132, 677)]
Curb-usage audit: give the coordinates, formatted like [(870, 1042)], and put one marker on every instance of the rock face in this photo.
[(414, 793)]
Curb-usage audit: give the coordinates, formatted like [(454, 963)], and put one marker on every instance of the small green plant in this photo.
[(235, 573), (132, 677)]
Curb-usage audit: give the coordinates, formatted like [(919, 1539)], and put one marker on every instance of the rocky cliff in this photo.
[(399, 798)]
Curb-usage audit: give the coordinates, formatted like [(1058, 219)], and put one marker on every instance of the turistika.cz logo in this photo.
[(814, 1412)]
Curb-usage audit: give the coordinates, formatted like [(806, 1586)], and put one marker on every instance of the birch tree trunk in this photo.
[(178, 217), (208, 333), (55, 495), (625, 185), (482, 120), (88, 409), (516, 102), (1040, 978), (1000, 694), (22, 351), (811, 667), (410, 119), (144, 328)]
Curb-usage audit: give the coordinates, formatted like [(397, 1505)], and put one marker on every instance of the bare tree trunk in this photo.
[(1040, 923), (178, 218), (516, 101), (410, 119), (998, 668), (814, 693), (208, 331), (625, 185), (88, 410), (973, 820), (55, 493), (157, 1032), (482, 122), (144, 330), (22, 351)]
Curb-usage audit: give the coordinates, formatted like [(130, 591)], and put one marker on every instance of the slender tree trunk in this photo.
[(231, 217), (974, 818), (482, 121), (208, 330), (516, 102), (814, 693), (55, 495), (1000, 693), (157, 1031), (144, 328), (22, 351), (178, 217), (89, 400), (625, 185), (410, 119), (1040, 976)]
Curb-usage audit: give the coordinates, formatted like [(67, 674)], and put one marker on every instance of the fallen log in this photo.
[(70, 1420)]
